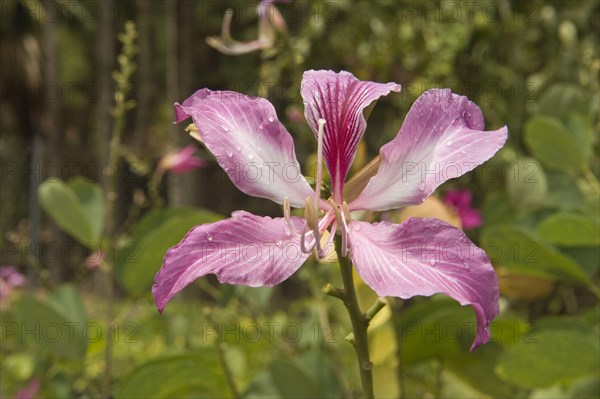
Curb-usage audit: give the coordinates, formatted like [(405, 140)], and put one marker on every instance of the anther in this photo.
[(309, 213), (287, 216)]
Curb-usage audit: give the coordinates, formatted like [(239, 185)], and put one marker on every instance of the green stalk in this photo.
[(359, 321)]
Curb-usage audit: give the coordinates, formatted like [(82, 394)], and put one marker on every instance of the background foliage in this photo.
[(531, 65)]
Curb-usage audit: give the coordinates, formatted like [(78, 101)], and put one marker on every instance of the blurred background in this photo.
[(95, 188)]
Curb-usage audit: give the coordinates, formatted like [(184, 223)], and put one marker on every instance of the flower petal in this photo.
[(245, 249), (441, 138), (249, 143), (424, 257), (339, 98)]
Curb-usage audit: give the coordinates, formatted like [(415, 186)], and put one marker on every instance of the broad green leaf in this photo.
[(91, 198), (293, 382), (63, 205), (563, 191), (67, 300), (154, 238), (561, 99), (580, 130), (570, 230), (43, 323), (526, 184), (557, 356), (551, 143), (196, 375), (518, 249), (437, 328)]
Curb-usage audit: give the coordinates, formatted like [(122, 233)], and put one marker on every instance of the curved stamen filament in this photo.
[(287, 216), (344, 228)]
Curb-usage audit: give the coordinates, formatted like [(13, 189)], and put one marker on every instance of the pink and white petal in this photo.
[(441, 138), (245, 249), (425, 257), (249, 143), (339, 99)]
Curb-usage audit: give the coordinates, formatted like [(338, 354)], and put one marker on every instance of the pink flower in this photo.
[(10, 278), (441, 138), (182, 161), (460, 201), (30, 391)]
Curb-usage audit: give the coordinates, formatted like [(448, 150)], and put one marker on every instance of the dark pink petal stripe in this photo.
[(339, 99)]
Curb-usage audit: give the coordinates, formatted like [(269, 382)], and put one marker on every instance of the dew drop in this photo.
[(238, 148), (209, 237), (286, 231), (229, 153), (448, 143), (271, 118), (279, 243), (432, 262), (261, 126), (225, 128), (250, 156), (356, 227), (422, 186)]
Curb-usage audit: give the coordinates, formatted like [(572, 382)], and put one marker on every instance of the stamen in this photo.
[(309, 212), (302, 241), (344, 228), (346, 212), (287, 216), (335, 208)]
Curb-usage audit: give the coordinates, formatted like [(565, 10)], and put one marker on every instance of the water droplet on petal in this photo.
[(271, 118), (238, 148), (356, 227), (286, 231), (225, 128), (448, 143), (261, 126), (250, 156), (229, 153), (279, 243), (422, 186), (432, 262), (209, 237)]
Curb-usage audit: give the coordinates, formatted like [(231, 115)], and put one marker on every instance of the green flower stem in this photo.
[(359, 321)]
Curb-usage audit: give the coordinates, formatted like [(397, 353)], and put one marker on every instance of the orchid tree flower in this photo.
[(181, 161), (460, 201), (270, 21), (442, 137)]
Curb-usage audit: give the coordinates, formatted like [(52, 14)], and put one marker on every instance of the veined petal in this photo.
[(245, 249), (249, 143), (424, 257), (339, 99), (441, 138)]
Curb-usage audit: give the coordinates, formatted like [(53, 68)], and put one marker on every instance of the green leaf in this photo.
[(580, 130), (63, 205), (570, 230), (198, 375), (561, 99), (292, 382), (526, 184), (518, 249), (557, 356), (563, 191), (549, 141), (67, 300), (157, 233), (91, 198), (44, 323)]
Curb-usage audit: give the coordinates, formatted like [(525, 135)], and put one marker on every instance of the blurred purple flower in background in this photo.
[(9, 279), (460, 201), (182, 161)]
